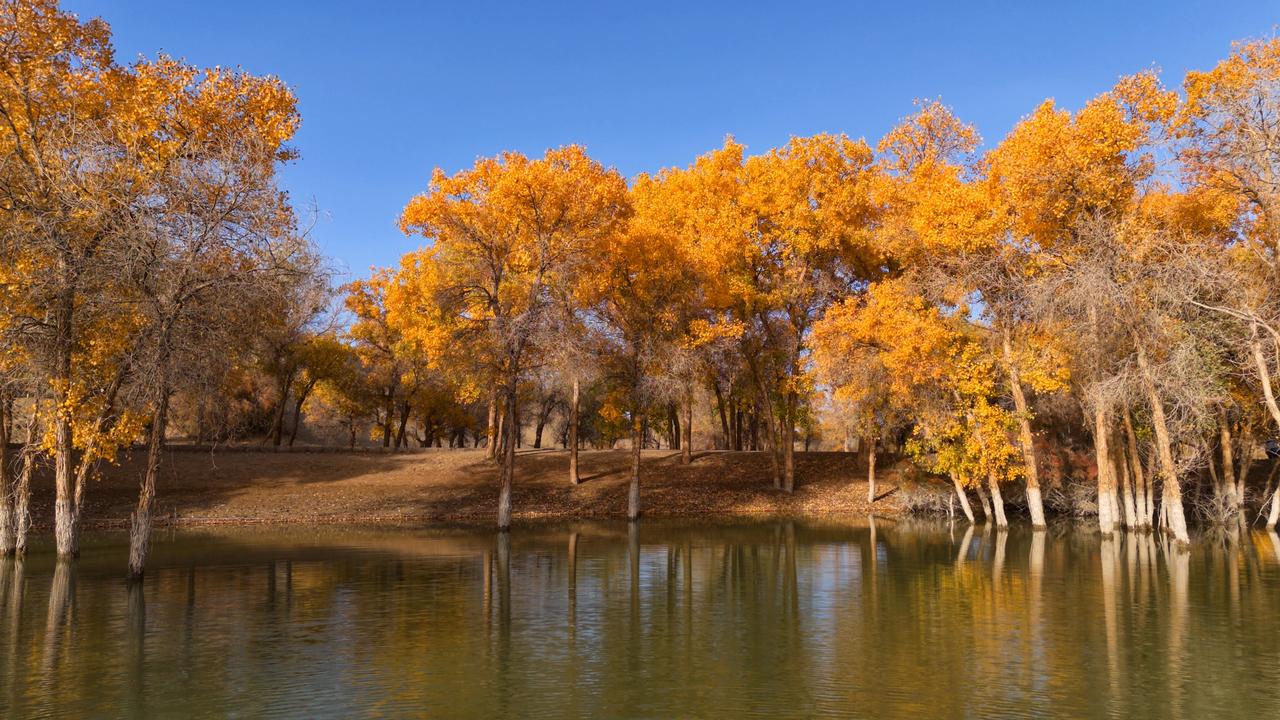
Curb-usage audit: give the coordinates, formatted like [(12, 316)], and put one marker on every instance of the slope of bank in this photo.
[(462, 486)]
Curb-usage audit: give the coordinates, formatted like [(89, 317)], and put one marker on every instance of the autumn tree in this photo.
[(503, 236)]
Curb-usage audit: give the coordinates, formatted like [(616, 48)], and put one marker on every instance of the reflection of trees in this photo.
[(887, 619)]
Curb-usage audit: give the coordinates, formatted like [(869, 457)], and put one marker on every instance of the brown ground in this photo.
[(460, 485)]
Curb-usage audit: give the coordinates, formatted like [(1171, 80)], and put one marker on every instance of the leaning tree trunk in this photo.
[(1035, 503), (1274, 515), (574, 478), (964, 498), (997, 502), (140, 527), (633, 489), (508, 457), (303, 394), (871, 469), (986, 503), (1176, 522)]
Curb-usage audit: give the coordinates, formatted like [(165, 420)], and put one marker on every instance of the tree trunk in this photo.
[(789, 443), (1107, 505), (871, 469), (297, 410), (1035, 503), (1172, 494), (1145, 502), (64, 512), (140, 527), (686, 447), (997, 503), (734, 441), (503, 432), (22, 489), (724, 417), (508, 456), (987, 514), (1264, 376), (964, 498), (1246, 460), (491, 430), (770, 437), (673, 425), (633, 490), (574, 478), (1228, 461), (1275, 509), (404, 424), (387, 410), (6, 492), (277, 425), (1127, 502)]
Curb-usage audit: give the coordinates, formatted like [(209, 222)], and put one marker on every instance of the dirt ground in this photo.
[(250, 487)]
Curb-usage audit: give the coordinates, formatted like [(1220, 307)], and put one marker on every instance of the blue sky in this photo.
[(390, 90)]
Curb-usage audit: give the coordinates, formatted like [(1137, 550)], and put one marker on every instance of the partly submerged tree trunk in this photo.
[(1145, 501), (1127, 491), (871, 469), (22, 488), (964, 498), (574, 478), (1172, 493), (508, 458), (6, 481), (1228, 483), (140, 526), (633, 489), (1035, 503), (1107, 505)]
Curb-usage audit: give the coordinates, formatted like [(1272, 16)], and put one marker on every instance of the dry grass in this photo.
[(460, 485)]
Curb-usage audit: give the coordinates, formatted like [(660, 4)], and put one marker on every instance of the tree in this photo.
[(504, 236)]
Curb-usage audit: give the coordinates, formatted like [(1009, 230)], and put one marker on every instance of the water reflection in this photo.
[(879, 619)]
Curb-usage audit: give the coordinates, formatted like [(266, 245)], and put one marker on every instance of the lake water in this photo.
[(770, 619)]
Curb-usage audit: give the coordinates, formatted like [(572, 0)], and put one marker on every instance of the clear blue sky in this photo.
[(390, 90)]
